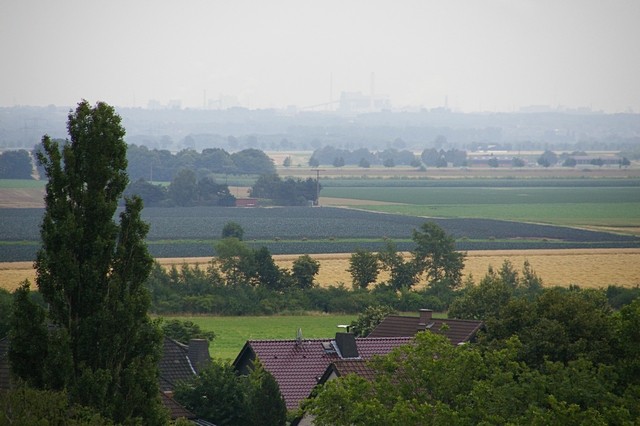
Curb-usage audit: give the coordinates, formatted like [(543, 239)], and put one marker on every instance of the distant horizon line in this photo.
[(295, 109)]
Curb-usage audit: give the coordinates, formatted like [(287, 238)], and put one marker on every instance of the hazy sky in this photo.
[(494, 55)]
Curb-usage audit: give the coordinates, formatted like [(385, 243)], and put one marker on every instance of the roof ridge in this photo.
[(291, 340)]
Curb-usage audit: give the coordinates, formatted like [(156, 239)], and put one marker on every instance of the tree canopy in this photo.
[(103, 347), (15, 165), (435, 254)]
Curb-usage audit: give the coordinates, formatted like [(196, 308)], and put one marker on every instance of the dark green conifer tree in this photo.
[(91, 270)]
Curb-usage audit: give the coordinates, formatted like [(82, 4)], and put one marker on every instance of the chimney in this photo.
[(346, 344), (198, 353), (425, 315)]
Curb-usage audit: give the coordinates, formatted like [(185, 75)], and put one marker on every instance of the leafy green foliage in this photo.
[(183, 189), (432, 382), (252, 161), (236, 261), (15, 165), (369, 319), (287, 192), (232, 229), (24, 406), (364, 268), (402, 274), (6, 309), (162, 165), (90, 272), (435, 254), (558, 325), (152, 195), (217, 395), (265, 404), (183, 331), (303, 270), (29, 349), (220, 395), (268, 274)]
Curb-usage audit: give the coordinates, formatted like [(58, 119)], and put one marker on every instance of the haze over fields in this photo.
[(466, 55)]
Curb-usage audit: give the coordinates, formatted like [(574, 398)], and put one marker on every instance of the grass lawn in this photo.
[(233, 332)]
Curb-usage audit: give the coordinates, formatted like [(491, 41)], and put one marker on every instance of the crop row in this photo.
[(299, 223), (488, 195), (27, 252), (380, 182)]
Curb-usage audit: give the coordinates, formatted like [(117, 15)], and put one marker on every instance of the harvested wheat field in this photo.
[(585, 267)]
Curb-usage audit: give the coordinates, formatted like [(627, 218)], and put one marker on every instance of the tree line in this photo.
[(153, 164), (242, 280), (186, 190), (162, 165)]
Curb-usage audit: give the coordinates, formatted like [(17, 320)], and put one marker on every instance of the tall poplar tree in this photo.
[(102, 347)]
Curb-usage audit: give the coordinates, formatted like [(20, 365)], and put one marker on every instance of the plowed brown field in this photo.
[(584, 267)]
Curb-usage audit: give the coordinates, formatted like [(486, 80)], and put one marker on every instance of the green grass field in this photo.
[(615, 206), (488, 195), (567, 214), (21, 183), (233, 332)]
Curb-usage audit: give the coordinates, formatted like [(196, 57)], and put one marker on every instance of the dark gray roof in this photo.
[(174, 366), (457, 331)]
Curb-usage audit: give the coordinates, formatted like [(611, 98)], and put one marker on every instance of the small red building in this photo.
[(246, 202)]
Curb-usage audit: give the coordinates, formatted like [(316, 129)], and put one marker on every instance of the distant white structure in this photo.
[(357, 102)]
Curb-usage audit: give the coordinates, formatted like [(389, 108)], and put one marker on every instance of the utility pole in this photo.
[(317, 185)]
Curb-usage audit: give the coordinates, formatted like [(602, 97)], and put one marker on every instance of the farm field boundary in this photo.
[(193, 232), (591, 268)]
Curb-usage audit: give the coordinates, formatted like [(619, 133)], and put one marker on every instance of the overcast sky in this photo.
[(493, 55)]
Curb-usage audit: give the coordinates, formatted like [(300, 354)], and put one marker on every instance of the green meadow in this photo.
[(567, 214), (21, 183), (233, 332), (615, 206)]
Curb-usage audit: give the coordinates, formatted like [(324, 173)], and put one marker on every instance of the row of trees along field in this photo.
[(187, 190), (163, 166), (246, 281), (154, 164), (432, 157)]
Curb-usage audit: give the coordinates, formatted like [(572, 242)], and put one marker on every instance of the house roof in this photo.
[(456, 330), (175, 365), (181, 362), (341, 368), (176, 411), (297, 365)]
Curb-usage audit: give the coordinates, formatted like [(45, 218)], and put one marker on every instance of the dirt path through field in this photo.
[(585, 267)]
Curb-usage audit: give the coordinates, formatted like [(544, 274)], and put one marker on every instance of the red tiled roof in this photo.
[(297, 366), (358, 367), (458, 331), (176, 411)]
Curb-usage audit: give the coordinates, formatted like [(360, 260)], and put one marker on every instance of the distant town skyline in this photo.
[(466, 55)]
